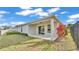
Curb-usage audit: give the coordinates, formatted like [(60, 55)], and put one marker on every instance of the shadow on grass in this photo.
[(45, 44)]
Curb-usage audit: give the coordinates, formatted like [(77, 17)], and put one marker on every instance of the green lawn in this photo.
[(18, 42)]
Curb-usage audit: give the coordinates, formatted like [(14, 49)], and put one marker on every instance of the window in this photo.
[(49, 28), (41, 29)]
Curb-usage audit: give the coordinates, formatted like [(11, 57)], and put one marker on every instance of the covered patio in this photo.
[(43, 29)]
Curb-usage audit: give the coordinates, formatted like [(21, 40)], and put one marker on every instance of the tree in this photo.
[(70, 25), (6, 27)]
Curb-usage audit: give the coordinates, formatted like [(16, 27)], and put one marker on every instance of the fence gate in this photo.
[(75, 33)]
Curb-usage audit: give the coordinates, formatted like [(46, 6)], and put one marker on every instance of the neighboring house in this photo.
[(45, 28), (4, 29)]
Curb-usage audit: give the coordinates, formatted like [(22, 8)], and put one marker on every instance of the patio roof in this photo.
[(39, 20)]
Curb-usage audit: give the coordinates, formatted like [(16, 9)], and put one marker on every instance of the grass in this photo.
[(8, 40), (17, 42)]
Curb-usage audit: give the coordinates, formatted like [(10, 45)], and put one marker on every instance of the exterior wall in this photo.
[(33, 30), (23, 29), (48, 35), (18, 29)]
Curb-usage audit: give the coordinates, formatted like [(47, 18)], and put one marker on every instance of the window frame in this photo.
[(48, 28)]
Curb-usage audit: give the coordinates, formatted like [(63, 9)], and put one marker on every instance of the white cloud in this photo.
[(74, 16), (28, 12), (2, 15), (70, 20), (3, 12), (11, 23), (25, 7), (42, 14), (17, 23), (52, 10), (4, 24), (38, 11), (63, 12), (24, 13)]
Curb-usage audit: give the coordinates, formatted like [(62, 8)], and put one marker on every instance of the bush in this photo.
[(15, 32)]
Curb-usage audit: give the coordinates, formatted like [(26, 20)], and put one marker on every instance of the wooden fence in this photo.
[(75, 33)]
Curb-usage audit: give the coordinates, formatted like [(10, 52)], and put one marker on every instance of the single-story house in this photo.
[(44, 28)]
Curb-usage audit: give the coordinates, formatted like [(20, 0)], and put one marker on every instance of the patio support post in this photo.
[(53, 31)]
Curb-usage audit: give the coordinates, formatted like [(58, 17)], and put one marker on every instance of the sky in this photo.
[(12, 16)]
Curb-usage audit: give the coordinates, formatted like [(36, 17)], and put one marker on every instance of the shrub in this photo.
[(15, 32)]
